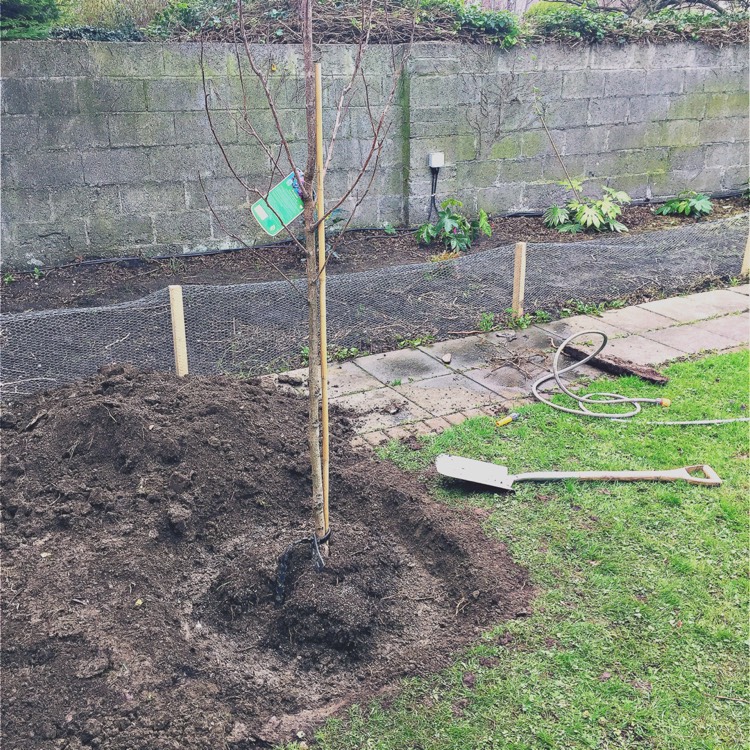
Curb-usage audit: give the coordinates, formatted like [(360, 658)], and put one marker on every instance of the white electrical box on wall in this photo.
[(436, 160)]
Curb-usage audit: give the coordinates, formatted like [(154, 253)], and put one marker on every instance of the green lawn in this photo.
[(639, 632)]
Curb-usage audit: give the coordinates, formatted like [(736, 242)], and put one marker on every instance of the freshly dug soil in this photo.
[(144, 517), (82, 285)]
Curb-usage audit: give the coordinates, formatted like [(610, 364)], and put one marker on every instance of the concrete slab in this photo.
[(691, 339), (506, 381), (636, 319), (447, 394), (742, 289), (466, 353), (561, 329), (734, 327), (699, 306), (379, 409), (346, 378), (641, 350), (403, 364)]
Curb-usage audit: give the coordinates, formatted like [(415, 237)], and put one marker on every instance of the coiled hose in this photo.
[(602, 398)]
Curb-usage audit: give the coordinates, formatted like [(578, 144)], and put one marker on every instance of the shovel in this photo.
[(492, 475)]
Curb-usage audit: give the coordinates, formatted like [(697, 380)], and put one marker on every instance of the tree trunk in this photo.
[(314, 359), (313, 279)]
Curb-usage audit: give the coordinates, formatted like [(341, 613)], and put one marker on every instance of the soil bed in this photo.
[(143, 520), (83, 285)]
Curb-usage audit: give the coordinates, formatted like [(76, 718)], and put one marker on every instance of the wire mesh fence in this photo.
[(258, 328)]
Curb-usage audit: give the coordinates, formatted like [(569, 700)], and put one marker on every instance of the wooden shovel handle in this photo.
[(710, 478)]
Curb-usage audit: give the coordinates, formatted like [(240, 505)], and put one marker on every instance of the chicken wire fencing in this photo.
[(257, 328)]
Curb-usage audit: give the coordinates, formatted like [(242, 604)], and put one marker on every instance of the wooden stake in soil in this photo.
[(178, 331), (745, 271), (519, 279), (321, 266)]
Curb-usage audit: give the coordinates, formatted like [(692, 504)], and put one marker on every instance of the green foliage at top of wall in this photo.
[(27, 19), (437, 20)]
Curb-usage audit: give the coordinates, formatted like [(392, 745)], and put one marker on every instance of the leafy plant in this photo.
[(453, 228), (687, 203), (542, 316), (37, 273), (8, 278), (581, 213), (388, 228)]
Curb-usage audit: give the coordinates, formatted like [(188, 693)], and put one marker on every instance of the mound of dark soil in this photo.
[(143, 520)]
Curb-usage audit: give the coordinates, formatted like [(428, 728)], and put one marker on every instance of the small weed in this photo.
[(486, 322), (342, 353), (395, 382), (687, 203), (445, 255), (388, 228), (421, 340), (578, 307), (305, 355), (542, 316), (8, 278), (37, 273), (518, 321)]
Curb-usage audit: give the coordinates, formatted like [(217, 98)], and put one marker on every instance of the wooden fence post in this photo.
[(745, 271), (178, 331), (519, 279)]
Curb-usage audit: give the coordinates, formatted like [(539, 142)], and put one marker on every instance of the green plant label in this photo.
[(282, 207)]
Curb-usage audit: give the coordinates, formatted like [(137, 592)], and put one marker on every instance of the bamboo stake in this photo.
[(321, 267), (178, 331), (745, 271), (519, 279)]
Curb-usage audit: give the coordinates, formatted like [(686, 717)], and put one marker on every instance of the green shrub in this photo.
[(579, 23), (191, 15), (496, 26), (453, 229), (687, 203), (27, 19), (581, 213)]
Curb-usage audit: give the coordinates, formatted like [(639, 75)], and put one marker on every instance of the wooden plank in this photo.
[(519, 279), (179, 339)]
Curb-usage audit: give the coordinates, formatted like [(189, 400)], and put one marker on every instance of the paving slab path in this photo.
[(418, 391)]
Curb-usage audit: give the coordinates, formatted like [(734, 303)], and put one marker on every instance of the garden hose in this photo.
[(592, 398), (602, 398)]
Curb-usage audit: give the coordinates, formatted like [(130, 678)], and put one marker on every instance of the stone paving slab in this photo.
[(641, 350), (466, 353), (741, 289), (734, 327), (346, 378), (380, 409), (699, 306), (636, 320), (691, 339), (403, 364), (508, 381), (561, 329), (447, 394)]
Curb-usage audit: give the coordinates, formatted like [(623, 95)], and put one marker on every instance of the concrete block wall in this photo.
[(107, 150), (648, 119)]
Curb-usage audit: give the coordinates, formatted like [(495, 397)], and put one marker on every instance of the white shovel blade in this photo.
[(469, 470)]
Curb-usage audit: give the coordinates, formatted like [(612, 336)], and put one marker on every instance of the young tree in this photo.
[(282, 159)]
